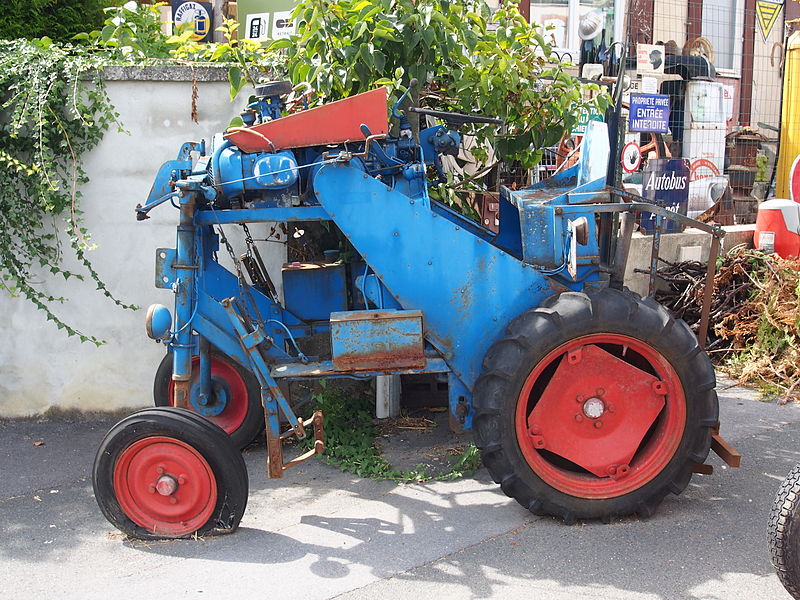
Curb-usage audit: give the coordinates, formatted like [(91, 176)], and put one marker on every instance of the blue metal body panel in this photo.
[(371, 340), (315, 290), (468, 289)]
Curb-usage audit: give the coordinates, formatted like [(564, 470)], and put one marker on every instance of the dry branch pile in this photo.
[(754, 315)]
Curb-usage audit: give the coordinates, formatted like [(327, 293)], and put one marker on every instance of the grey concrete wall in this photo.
[(40, 367)]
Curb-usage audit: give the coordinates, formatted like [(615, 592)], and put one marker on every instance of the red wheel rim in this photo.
[(165, 486), (642, 415), (233, 415)]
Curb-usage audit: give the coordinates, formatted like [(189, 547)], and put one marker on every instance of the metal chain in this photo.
[(236, 261)]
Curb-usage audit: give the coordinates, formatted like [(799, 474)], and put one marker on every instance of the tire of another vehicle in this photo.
[(172, 447), (637, 337), (243, 416), (783, 532)]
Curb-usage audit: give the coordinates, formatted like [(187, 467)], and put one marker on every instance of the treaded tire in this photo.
[(249, 423), (538, 335), (163, 431), (783, 534)]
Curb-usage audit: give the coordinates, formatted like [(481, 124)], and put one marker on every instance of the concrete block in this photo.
[(690, 253)]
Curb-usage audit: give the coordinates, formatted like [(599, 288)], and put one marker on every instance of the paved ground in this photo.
[(321, 533)]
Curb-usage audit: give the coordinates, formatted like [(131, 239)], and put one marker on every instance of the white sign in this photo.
[(195, 15), (728, 93), (282, 25), (265, 26), (257, 26), (650, 58), (641, 85)]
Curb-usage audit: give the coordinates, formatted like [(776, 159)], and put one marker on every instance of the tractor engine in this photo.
[(255, 180)]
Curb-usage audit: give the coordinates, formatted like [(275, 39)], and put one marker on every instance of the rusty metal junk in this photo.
[(754, 315)]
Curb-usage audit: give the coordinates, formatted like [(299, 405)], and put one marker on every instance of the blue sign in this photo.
[(649, 113), (665, 181)]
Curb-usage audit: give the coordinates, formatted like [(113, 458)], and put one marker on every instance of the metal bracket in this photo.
[(722, 449), (319, 441), (165, 271)]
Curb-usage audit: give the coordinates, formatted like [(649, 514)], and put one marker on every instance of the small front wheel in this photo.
[(783, 533), (169, 473), (235, 403)]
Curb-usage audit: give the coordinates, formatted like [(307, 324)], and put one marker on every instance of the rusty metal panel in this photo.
[(332, 123), (368, 340)]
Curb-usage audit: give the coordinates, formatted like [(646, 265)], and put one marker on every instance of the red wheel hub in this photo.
[(237, 399), (600, 416), (165, 486)]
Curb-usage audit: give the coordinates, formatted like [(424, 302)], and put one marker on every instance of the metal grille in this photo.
[(722, 64)]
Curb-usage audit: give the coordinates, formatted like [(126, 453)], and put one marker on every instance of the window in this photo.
[(560, 20), (723, 26)]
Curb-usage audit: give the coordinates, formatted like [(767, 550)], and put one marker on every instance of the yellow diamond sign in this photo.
[(767, 12)]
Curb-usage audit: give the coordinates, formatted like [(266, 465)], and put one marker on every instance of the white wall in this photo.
[(40, 367)]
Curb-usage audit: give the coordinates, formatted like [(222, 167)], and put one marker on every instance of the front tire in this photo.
[(168, 473), (595, 406), (783, 533)]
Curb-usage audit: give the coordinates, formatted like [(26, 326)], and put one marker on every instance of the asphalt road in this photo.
[(321, 533)]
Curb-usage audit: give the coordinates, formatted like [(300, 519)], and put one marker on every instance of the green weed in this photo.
[(350, 440)]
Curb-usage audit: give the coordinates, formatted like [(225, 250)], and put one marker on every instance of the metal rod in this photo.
[(205, 390), (184, 300), (651, 288), (627, 220), (708, 292)]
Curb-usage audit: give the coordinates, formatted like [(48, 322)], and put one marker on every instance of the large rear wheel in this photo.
[(235, 402), (169, 473), (595, 406)]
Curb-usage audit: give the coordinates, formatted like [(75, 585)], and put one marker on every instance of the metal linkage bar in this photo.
[(272, 398)]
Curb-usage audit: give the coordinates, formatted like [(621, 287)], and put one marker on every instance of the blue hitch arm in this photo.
[(168, 174)]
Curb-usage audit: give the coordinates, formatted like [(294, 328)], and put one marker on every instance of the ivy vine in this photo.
[(55, 109)]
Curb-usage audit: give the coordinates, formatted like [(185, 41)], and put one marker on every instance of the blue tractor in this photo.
[(586, 401)]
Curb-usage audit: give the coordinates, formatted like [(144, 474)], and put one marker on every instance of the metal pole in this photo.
[(708, 292), (184, 301), (651, 288)]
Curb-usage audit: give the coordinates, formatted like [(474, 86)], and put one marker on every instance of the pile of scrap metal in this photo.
[(754, 314)]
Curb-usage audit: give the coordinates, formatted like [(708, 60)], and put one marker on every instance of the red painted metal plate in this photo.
[(332, 123), (137, 473), (237, 402), (624, 395)]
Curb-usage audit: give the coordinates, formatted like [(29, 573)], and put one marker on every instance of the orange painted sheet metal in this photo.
[(332, 123)]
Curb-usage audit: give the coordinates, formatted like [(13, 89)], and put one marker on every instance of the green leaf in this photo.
[(280, 44), (107, 32), (235, 79)]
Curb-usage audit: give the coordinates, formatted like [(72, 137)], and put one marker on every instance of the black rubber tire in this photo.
[(538, 332), (211, 442), (253, 423), (783, 533)]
